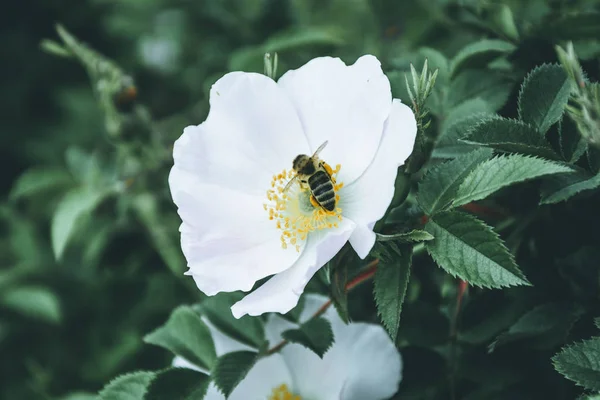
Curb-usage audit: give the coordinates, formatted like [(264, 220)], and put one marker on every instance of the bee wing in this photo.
[(289, 184), (321, 147)]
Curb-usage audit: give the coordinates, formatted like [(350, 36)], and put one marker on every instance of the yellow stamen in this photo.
[(296, 212), (282, 392)]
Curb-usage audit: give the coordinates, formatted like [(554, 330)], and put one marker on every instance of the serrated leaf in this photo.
[(439, 186), (186, 335), (597, 322), (391, 281), (413, 236), (580, 363), (39, 179), (35, 302), (509, 135), (457, 124), (316, 334), (502, 171), (179, 384), (127, 387), (479, 54), (247, 330), (487, 85), (543, 320), (562, 187), (469, 249), (73, 206), (231, 368), (543, 96), (572, 144), (339, 277)]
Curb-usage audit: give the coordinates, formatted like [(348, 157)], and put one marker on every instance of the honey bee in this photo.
[(315, 175)]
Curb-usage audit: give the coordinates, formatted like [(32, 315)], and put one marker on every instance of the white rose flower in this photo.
[(228, 179), (363, 363)]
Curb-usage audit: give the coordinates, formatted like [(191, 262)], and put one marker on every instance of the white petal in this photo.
[(346, 105), (252, 132), (281, 292), (366, 200), (362, 364), (362, 240), (267, 374), (227, 238)]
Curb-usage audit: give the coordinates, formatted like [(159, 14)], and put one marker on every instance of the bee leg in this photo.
[(314, 202)]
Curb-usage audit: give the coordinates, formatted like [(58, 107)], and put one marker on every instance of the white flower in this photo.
[(363, 363), (229, 173)]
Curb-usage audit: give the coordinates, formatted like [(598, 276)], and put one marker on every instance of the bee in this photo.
[(315, 175)]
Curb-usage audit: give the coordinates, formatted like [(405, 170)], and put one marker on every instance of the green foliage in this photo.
[(541, 322), (178, 383), (479, 54), (543, 96), (391, 281), (231, 368), (32, 301), (562, 187), (499, 172), (131, 386), (467, 248), (186, 335), (580, 362), (90, 244), (512, 136), (315, 334), (440, 186)]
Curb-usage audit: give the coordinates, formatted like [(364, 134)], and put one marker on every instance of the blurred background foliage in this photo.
[(90, 259)]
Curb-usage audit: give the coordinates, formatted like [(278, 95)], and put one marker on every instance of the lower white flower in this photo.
[(363, 363), (228, 180)]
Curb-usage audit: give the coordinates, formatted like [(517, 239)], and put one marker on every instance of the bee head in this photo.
[(304, 165)]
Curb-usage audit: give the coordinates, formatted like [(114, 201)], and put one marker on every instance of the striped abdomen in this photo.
[(322, 189)]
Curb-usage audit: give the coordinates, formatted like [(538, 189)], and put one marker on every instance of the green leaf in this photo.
[(186, 335), (391, 281), (339, 296), (580, 363), (247, 330), (413, 236), (543, 96), (479, 54), (487, 85), (39, 179), (178, 384), (75, 205), (469, 249), (509, 135), (457, 124), (564, 186), (541, 321), (572, 144), (316, 335), (439, 186), (127, 387), (231, 368), (499, 172), (597, 322), (32, 301)]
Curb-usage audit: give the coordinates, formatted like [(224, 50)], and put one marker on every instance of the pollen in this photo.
[(295, 212), (282, 392)]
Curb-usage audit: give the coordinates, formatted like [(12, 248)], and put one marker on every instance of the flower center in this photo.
[(281, 392), (296, 210)]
